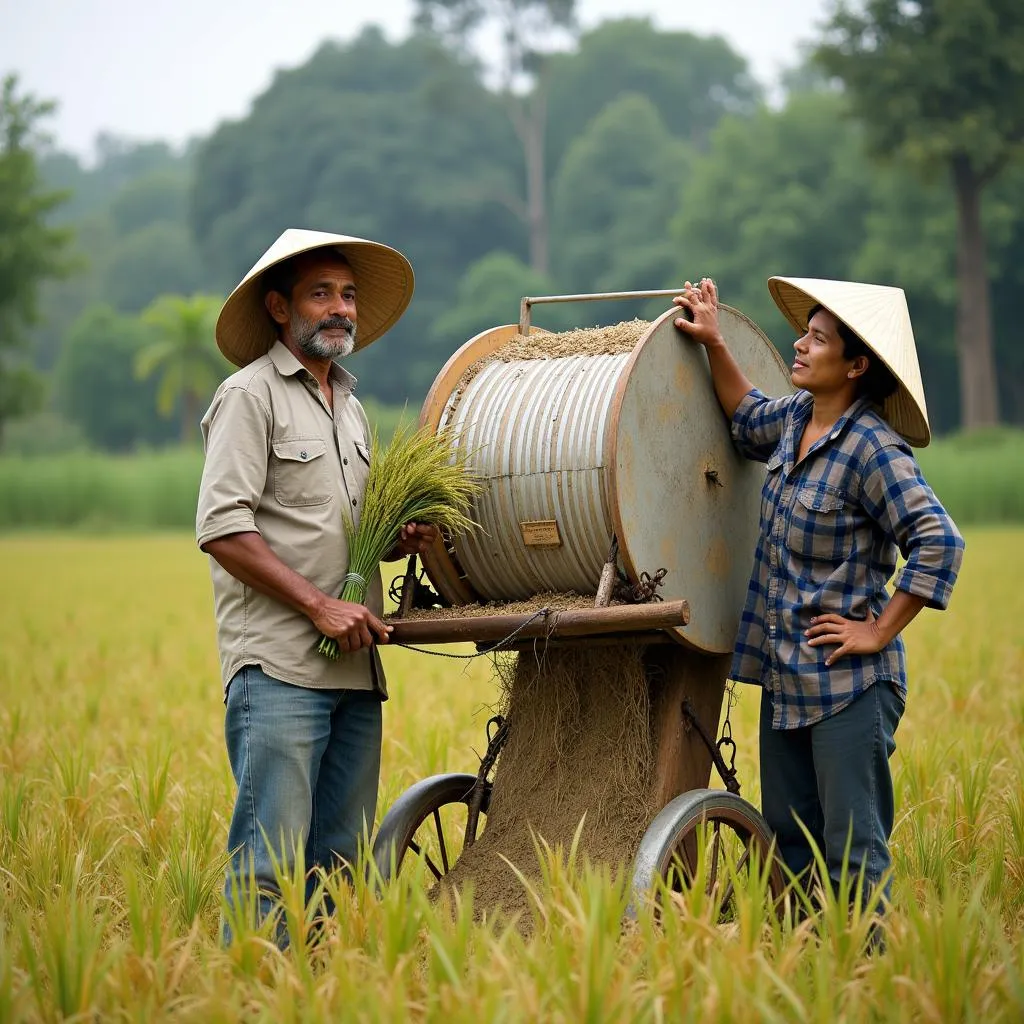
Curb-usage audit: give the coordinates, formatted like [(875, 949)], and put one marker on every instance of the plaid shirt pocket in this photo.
[(821, 523)]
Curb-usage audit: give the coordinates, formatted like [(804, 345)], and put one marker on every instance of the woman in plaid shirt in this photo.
[(843, 496)]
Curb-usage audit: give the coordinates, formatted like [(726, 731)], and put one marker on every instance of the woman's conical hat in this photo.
[(383, 275), (878, 315)]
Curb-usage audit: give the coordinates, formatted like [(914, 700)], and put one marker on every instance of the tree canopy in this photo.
[(940, 84), (31, 248), (654, 160)]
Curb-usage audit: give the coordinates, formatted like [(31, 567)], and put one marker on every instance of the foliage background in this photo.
[(663, 161)]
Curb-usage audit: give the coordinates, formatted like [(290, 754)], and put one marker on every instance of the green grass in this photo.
[(979, 477), (97, 492), (115, 789)]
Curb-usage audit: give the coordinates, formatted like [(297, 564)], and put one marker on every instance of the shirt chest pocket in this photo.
[(821, 524), (301, 472)]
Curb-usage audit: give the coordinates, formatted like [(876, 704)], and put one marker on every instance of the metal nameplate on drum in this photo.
[(541, 533)]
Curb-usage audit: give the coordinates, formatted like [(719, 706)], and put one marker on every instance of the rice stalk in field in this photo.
[(12, 812), (947, 942), (11, 997), (396, 924), (67, 963), (971, 790), (194, 876), (12, 750), (251, 930), (74, 781), (418, 477), (846, 911), (144, 906), (149, 789)]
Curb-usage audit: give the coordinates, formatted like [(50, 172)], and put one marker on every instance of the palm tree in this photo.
[(183, 352)]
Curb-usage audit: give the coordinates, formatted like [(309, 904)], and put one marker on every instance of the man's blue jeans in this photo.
[(307, 764), (834, 776)]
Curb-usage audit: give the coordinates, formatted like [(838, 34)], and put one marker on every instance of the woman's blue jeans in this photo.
[(834, 777), (307, 764)]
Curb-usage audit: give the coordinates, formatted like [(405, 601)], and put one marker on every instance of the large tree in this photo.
[(31, 249), (783, 192), (692, 81), (97, 388), (399, 143), (615, 189), (525, 29), (941, 84)]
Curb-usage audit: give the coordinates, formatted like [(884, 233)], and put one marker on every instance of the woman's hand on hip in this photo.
[(854, 636)]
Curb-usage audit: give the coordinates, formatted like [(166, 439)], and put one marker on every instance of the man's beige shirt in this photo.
[(280, 464)]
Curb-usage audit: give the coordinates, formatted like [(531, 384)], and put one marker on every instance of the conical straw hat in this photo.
[(383, 275), (878, 315)]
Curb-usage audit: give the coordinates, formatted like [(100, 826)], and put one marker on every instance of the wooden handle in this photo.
[(554, 623)]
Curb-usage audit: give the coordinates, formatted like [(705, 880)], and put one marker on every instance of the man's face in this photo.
[(322, 310)]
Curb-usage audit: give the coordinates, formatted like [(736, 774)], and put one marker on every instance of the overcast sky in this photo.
[(171, 69)]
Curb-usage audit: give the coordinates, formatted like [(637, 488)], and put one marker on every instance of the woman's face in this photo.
[(819, 365)]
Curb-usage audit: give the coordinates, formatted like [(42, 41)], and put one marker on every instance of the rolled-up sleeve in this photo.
[(897, 497), (236, 437), (757, 424)]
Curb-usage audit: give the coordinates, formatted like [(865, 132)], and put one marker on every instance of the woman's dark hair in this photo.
[(878, 382)]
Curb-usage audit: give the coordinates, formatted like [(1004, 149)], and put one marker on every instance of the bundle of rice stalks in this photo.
[(419, 477)]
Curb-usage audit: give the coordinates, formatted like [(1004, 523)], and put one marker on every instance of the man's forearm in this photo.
[(249, 558)]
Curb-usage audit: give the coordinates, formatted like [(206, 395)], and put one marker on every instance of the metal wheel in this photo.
[(429, 820), (705, 834)]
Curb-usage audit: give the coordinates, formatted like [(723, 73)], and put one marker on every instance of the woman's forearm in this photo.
[(731, 383), (898, 614)]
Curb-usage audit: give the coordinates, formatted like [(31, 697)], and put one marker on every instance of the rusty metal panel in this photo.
[(683, 497), (538, 430)]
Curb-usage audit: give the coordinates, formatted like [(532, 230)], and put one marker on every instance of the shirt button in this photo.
[(354, 501), (344, 462), (302, 454)]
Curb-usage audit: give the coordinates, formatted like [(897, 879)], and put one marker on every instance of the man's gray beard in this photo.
[(312, 343)]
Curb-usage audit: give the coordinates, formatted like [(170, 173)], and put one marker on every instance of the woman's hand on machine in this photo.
[(701, 302)]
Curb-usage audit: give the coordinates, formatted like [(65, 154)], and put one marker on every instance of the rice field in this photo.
[(115, 791)]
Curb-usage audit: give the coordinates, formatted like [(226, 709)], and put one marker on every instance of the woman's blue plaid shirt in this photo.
[(831, 528)]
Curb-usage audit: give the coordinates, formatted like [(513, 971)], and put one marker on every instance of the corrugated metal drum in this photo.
[(579, 448)]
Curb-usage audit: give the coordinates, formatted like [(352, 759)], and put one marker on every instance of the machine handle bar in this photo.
[(527, 301)]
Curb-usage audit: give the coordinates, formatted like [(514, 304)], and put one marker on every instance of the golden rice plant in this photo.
[(418, 477)]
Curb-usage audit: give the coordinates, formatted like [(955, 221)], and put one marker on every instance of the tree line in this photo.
[(631, 158)]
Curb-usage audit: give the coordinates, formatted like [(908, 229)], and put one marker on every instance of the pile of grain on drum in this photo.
[(580, 745)]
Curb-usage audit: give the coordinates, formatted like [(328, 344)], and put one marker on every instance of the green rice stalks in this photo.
[(419, 477)]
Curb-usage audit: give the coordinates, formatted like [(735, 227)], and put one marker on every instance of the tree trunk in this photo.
[(536, 199), (979, 397), (529, 117)]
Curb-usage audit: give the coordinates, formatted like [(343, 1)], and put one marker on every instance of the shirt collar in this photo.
[(288, 366), (802, 414)]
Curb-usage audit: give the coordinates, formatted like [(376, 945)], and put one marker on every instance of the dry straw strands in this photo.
[(580, 748)]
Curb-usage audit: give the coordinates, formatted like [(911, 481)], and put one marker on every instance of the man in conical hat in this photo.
[(287, 457), (843, 496)]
